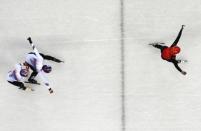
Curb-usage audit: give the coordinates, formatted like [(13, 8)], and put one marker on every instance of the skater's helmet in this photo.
[(24, 72), (47, 68), (175, 50)]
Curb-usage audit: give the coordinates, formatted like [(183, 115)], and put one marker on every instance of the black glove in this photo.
[(183, 72), (50, 90)]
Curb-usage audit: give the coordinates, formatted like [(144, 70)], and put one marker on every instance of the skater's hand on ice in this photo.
[(183, 26), (50, 90), (183, 72)]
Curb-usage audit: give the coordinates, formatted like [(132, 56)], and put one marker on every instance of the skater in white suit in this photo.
[(15, 76), (35, 61)]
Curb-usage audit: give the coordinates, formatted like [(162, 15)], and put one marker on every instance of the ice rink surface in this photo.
[(88, 86)]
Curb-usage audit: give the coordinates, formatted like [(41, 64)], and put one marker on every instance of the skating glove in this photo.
[(183, 72), (50, 90)]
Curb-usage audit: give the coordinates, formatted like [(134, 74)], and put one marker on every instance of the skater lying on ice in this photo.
[(169, 53)]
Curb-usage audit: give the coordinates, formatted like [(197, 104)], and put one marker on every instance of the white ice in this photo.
[(87, 87)]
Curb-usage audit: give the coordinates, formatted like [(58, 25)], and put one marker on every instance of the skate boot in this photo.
[(22, 88), (32, 81)]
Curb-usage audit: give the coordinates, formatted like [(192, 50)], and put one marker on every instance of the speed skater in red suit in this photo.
[(169, 53)]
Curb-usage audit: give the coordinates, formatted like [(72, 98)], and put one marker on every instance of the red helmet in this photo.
[(175, 50)]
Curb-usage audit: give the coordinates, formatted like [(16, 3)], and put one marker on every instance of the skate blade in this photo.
[(29, 89)]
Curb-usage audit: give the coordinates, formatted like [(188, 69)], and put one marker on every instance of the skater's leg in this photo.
[(175, 62), (33, 75), (48, 57), (178, 37), (18, 84)]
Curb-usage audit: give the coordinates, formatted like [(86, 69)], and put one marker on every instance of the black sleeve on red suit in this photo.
[(178, 37), (175, 62), (47, 57)]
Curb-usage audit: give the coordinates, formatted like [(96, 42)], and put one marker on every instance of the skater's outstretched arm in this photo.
[(47, 57), (45, 81), (175, 62), (178, 37), (161, 47)]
